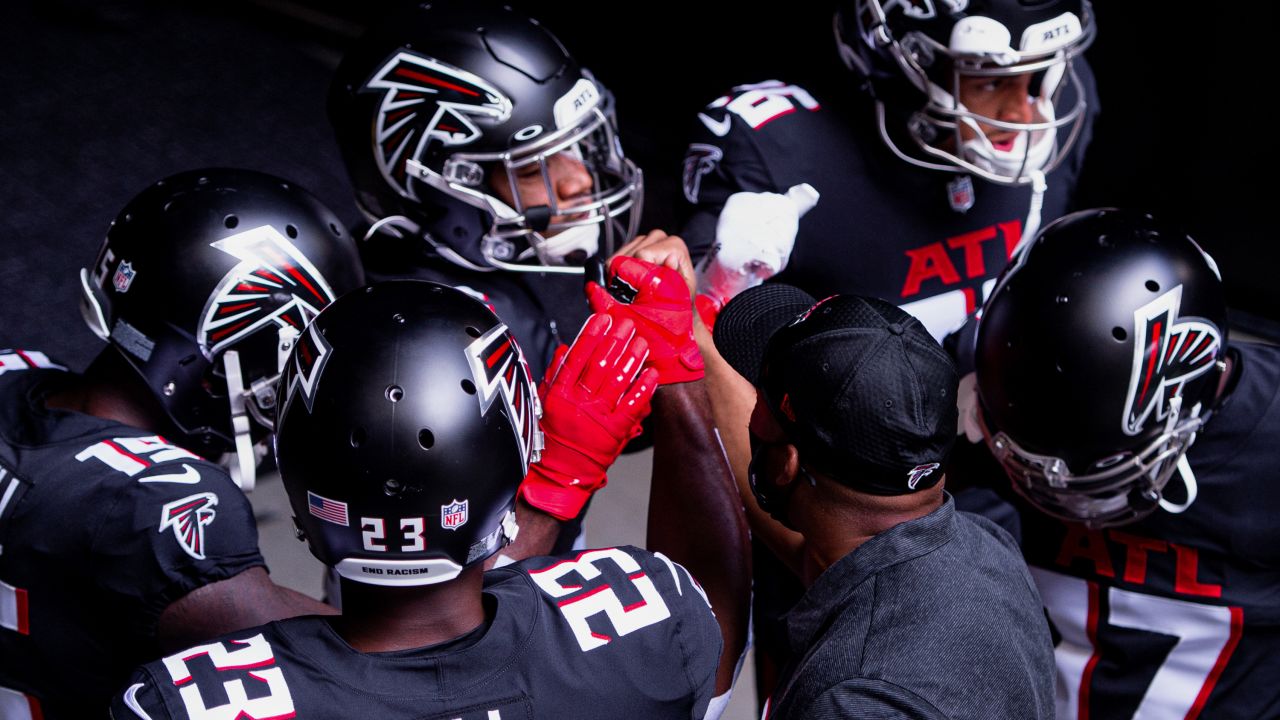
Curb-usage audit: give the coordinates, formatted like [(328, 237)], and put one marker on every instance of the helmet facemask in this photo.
[(548, 237), (1115, 490), (981, 47)]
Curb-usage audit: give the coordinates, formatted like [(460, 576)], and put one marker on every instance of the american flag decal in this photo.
[(327, 510), (188, 518), (423, 100), (1168, 351), (273, 284), (499, 370)]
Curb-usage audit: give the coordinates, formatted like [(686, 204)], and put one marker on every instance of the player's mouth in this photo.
[(1003, 143)]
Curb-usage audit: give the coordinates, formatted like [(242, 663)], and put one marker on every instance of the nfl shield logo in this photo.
[(960, 193), (453, 515), (123, 277)]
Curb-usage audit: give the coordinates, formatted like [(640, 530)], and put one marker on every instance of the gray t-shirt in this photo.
[(934, 618)]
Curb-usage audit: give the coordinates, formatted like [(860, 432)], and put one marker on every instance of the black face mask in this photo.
[(771, 498)]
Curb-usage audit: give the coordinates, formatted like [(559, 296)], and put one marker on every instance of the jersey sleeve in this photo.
[(172, 528), (722, 159), (634, 620), (142, 699), (236, 676), (699, 633)]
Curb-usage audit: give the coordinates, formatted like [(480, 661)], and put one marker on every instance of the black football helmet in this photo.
[(1099, 356), (913, 54), (409, 420), (204, 282), (443, 102)]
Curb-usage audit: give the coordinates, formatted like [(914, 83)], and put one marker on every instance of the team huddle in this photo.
[(929, 440)]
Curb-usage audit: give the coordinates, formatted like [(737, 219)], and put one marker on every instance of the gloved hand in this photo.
[(662, 311), (593, 397), (755, 235)]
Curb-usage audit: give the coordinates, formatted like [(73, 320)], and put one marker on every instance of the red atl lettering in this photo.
[(1135, 558), (934, 261), (1185, 581), (972, 244), (1081, 543), (929, 262)]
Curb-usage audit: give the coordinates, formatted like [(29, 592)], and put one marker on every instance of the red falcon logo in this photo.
[(1167, 352), (920, 472), (274, 284), (188, 517), (308, 364), (423, 100), (500, 371)]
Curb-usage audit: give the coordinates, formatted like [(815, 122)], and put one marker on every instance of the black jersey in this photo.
[(542, 310), (102, 526), (1178, 615), (617, 633), (882, 227)]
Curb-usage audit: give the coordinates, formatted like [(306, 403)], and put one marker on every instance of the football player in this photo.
[(966, 123), (407, 423), (121, 538), (484, 157), (1139, 441), (970, 126)]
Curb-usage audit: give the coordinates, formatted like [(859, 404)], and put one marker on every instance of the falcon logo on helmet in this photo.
[(425, 99), (188, 518), (500, 371), (308, 364), (274, 283), (1167, 352)]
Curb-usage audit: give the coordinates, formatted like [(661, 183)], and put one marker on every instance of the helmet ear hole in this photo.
[(426, 438), (358, 436), (468, 387)]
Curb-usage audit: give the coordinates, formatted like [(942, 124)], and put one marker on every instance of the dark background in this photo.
[(102, 98)]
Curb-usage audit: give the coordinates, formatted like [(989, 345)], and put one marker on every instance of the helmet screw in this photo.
[(169, 389)]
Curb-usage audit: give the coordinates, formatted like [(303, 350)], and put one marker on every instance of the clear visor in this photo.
[(1118, 490), (957, 136), (609, 208)]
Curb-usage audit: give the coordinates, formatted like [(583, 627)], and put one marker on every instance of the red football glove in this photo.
[(662, 312), (708, 309), (593, 398)]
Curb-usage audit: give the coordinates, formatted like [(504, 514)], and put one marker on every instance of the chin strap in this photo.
[(1032, 225), (243, 465), (1189, 480)]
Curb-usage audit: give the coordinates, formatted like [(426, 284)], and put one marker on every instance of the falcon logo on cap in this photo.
[(1167, 353), (920, 472)]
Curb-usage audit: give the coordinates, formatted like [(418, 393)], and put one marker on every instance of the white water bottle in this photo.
[(754, 238)]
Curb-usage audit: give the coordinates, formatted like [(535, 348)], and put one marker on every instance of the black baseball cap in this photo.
[(862, 390)]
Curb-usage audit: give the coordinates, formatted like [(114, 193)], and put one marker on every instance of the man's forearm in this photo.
[(732, 400), (695, 513)]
